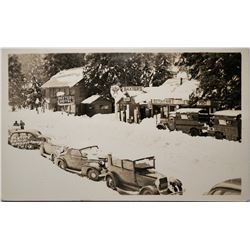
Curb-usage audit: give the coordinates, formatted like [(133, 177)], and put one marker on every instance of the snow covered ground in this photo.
[(199, 162)]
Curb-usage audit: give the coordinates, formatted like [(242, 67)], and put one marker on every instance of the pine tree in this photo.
[(219, 75), (16, 83), (57, 62)]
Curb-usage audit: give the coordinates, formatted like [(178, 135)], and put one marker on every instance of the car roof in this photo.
[(234, 184), (231, 113), (93, 146), (189, 110), (33, 131), (139, 159)]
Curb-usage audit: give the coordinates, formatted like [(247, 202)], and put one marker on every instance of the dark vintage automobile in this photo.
[(228, 187), (25, 138), (88, 161), (50, 149), (139, 177), (193, 121), (227, 125)]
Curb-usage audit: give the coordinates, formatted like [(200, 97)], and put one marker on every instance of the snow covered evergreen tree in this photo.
[(219, 75), (103, 70), (33, 69), (16, 83), (57, 62)]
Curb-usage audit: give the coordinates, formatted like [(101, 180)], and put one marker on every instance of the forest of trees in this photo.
[(219, 73)]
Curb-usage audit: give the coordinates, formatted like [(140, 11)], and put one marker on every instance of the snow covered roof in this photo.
[(172, 88), (91, 99), (65, 78), (188, 110), (232, 113)]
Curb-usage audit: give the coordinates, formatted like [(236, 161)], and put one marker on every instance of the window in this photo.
[(117, 162), (104, 107), (66, 91), (222, 122), (184, 117), (128, 165), (172, 108), (75, 152)]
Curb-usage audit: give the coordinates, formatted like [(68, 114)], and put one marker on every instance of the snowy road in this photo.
[(199, 162)]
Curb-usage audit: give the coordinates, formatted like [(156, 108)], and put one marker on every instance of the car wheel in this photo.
[(93, 174), (62, 164), (29, 146), (194, 132), (219, 135), (52, 158), (149, 190), (41, 150), (161, 127), (21, 146), (111, 182)]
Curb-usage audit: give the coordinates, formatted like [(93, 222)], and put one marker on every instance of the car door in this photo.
[(74, 159), (128, 173)]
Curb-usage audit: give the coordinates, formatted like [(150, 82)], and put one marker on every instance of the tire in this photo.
[(149, 190), (219, 135), (29, 146), (161, 127), (194, 132), (111, 182), (52, 158), (62, 164), (93, 174), (41, 150)]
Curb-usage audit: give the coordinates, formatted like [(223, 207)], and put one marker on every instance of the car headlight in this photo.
[(102, 163)]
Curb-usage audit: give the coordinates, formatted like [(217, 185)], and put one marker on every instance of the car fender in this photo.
[(94, 165), (153, 188), (113, 175)]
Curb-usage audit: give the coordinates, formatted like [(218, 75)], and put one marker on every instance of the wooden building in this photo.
[(96, 104), (65, 91), (134, 103)]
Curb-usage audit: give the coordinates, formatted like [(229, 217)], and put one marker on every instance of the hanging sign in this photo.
[(65, 100)]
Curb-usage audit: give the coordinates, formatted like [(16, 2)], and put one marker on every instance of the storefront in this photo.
[(66, 103), (65, 91), (165, 106)]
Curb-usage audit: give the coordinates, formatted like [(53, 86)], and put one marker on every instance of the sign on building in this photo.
[(204, 103), (161, 102), (132, 88), (65, 100)]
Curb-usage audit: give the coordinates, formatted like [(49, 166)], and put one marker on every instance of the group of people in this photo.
[(20, 125)]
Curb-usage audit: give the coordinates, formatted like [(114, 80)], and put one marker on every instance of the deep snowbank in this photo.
[(199, 162)]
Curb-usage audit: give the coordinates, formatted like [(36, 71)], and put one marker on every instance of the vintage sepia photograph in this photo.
[(125, 125)]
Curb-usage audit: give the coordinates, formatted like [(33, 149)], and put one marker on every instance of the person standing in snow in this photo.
[(16, 125), (22, 124)]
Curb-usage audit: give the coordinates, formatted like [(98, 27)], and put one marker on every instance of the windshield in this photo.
[(92, 151), (147, 163)]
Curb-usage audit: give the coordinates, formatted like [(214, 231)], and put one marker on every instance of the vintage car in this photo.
[(139, 177), (50, 149), (25, 138), (227, 125), (193, 121), (228, 187), (88, 161)]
